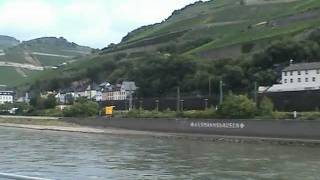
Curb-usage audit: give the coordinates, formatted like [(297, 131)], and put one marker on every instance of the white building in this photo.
[(297, 77), (116, 94), (6, 97), (121, 91)]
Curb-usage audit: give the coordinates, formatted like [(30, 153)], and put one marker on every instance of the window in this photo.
[(318, 71), (306, 72), (285, 81), (286, 73), (291, 73), (291, 80), (299, 79), (307, 79), (299, 72), (314, 79)]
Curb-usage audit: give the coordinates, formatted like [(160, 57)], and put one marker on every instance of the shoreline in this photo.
[(163, 135)]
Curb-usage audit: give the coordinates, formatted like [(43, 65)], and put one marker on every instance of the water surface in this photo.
[(62, 155)]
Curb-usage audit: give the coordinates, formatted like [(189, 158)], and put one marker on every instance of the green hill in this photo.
[(218, 29), (238, 41), (46, 52)]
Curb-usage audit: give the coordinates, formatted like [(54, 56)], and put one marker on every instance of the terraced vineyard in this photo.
[(42, 53), (227, 23)]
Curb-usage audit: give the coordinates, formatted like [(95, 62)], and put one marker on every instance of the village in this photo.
[(97, 93), (298, 80)]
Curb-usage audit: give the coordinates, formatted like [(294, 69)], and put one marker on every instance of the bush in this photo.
[(22, 108), (44, 103), (82, 109), (50, 112), (309, 115), (282, 115), (266, 107), (237, 107), (147, 114), (247, 48), (206, 114)]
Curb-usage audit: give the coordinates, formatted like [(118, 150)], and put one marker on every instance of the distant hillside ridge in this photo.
[(49, 42), (7, 41), (21, 60)]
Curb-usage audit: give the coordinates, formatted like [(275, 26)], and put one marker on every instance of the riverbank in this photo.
[(56, 124), (35, 120)]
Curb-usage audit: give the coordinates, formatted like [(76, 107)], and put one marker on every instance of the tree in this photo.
[(50, 102), (82, 109), (237, 106), (266, 106), (43, 103), (234, 77)]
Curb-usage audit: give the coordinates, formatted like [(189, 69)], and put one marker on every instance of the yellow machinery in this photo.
[(108, 110)]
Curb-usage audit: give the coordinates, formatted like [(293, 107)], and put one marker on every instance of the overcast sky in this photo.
[(95, 23)]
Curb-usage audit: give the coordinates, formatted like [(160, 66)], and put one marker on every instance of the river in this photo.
[(63, 155)]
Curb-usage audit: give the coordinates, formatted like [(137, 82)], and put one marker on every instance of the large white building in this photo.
[(6, 97), (121, 91), (297, 77)]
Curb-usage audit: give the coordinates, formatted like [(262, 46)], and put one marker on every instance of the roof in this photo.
[(303, 66), (6, 93), (129, 85)]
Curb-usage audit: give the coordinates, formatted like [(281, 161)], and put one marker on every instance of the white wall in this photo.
[(6, 98), (306, 79)]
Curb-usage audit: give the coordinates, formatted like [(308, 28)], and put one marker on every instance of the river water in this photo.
[(62, 155)]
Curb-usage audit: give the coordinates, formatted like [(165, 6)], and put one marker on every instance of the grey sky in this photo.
[(95, 23)]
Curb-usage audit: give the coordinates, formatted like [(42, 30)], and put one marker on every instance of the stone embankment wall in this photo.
[(255, 128)]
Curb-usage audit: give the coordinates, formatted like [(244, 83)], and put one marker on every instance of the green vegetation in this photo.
[(48, 51), (22, 108), (31, 121), (40, 103), (50, 60), (146, 114), (229, 40), (54, 112), (9, 76), (82, 108), (158, 74), (229, 22), (192, 46), (237, 107), (266, 107), (234, 106)]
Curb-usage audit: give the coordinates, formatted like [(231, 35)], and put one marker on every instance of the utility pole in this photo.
[(157, 105), (206, 104), (182, 101), (130, 98), (221, 92), (209, 89), (178, 99), (255, 93), (140, 105)]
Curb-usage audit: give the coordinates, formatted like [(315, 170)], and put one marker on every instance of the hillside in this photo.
[(238, 41), (21, 60), (219, 29), (7, 41)]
